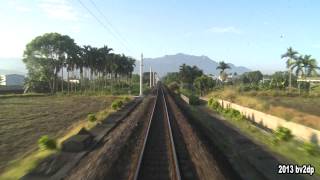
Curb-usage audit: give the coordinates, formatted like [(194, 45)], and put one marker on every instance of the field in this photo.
[(301, 109), (24, 119)]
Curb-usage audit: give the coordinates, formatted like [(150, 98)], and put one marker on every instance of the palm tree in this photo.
[(305, 66), (291, 56), (223, 66)]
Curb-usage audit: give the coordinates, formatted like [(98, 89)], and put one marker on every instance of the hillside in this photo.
[(171, 63)]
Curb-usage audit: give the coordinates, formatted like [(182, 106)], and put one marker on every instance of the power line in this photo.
[(102, 24), (109, 23)]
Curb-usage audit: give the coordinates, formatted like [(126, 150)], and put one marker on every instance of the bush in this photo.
[(47, 143), (126, 99), (310, 148), (116, 104), (194, 100), (174, 86), (214, 104), (283, 134), (92, 117)]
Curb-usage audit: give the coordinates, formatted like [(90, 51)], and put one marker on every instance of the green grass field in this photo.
[(24, 119)]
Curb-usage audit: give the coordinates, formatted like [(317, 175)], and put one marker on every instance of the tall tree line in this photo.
[(49, 56)]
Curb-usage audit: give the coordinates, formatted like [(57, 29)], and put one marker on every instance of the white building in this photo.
[(12, 80)]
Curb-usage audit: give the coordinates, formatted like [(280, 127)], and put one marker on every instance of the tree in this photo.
[(45, 55), (48, 55), (189, 73), (305, 66), (252, 78), (223, 66), (203, 84), (291, 56)]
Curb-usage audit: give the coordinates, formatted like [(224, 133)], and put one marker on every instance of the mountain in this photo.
[(12, 66), (171, 63)]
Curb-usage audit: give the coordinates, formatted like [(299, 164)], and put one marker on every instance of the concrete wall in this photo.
[(272, 122), (185, 98)]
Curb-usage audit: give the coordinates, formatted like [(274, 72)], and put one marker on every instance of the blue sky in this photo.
[(243, 32)]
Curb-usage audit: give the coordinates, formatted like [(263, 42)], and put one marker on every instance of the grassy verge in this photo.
[(19, 167), (293, 150), (299, 109)]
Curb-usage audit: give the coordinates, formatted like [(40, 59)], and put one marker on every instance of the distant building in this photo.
[(309, 79), (12, 80)]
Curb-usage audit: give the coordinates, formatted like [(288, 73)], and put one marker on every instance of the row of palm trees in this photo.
[(96, 67), (49, 56), (303, 65)]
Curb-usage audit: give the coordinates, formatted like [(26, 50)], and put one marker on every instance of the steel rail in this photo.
[(172, 145)]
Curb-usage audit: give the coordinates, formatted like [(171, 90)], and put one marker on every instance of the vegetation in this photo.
[(223, 66), (282, 134), (116, 104), (194, 100), (287, 105), (47, 143), (293, 150), (291, 56), (48, 56), (92, 117)]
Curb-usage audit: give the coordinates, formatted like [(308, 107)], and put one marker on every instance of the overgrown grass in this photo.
[(294, 150), (303, 110)]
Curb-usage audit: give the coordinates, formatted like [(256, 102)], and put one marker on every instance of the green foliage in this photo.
[(117, 104), (92, 117), (282, 134), (204, 83), (194, 100), (253, 77), (310, 148), (48, 56), (223, 66), (171, 77), (47, 143), (188, 73), (126, 99), (174, 86), (227, 112)]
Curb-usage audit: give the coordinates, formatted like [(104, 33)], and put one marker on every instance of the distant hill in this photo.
[(171, 63), (12, 66)]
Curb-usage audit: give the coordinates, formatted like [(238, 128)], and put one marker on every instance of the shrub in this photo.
[(47, 143), (310, 148), (194, 100), (92, 117), (174, 86), (126, 99), (283, 134), (116, 104)]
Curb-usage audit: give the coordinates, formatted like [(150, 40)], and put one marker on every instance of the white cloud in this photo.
[(229, 29), (59, 9)]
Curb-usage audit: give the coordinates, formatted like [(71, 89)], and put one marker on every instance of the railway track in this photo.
[(158, 157)]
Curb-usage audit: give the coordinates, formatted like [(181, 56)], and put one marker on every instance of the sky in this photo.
[(246, 33)]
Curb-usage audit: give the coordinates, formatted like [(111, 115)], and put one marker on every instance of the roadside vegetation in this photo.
[(287, 94), (280, 141)]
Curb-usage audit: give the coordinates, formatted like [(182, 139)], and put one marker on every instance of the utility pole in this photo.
[(150, 79), (154, 78), (141, 75)]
